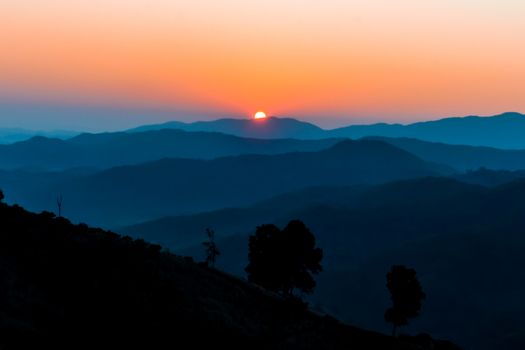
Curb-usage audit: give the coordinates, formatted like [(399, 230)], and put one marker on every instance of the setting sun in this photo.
[(259, 115)]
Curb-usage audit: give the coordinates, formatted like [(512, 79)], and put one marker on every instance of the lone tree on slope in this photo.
[(212, 251), (406, 295), (284, 260), (60, 200)]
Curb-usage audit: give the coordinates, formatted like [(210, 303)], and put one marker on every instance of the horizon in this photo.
[(137, 118), (123, 63)]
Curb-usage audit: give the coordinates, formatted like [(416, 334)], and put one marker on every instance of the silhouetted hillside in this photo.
[(269, 128), (132, 194), (115, 149), (67, 286), (472, 235), (500, 131), (460, 157)]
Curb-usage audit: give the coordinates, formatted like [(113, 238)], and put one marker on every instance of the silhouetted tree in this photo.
[(212, 251), (1, 196), (284, 260), (406, 295), (60, 200)]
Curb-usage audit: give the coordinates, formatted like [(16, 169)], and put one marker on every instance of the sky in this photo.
[(102, 64)]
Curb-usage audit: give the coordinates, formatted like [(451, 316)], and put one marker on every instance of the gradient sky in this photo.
[(330, 61)]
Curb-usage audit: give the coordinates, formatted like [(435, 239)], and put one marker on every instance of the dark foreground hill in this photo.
[(67, 286), (131, 194), (466, 242)]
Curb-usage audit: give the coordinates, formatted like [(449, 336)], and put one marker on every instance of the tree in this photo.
[(284, 260), (1, 196), (60, 200), (406, 295), (212, 251)]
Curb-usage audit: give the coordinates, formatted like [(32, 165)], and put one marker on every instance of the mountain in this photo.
[(108, 150), (460, 157), (113, 149), (501, 131), (67, 285), (268, 128), (464, 240), (12, 135), (490, 178), (131, 194)]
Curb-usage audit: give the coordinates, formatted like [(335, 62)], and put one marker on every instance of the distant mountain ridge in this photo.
[(106, 150), (270, 127), (12, 135), (137, 193), (116, 149), (500, 131), (459, 157)]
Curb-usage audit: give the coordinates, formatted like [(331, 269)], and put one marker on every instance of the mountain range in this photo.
[(108, 150), (137, 193), (500, 131), (269, 128), (444, 197)]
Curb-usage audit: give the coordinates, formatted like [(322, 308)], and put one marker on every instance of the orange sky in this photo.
[(366, 59)]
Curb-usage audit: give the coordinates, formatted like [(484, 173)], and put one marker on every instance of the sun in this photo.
[(259, 115)]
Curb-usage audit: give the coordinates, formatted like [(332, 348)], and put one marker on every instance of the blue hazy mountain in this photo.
[(108, 150), (271, 127), (113, 149), (460, 157), (12, 135), (500, 131), (140, 192)]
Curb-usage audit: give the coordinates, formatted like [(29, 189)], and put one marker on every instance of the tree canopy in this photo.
[(212, 251), (284, 260), (406, 294)]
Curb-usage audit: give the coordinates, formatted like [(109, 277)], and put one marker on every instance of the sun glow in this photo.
[(259, 115)]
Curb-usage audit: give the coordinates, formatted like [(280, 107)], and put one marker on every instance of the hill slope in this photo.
[(132, 194), (116, 149), (460, 157), (465, 241), (74, 286), (500, 131)]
